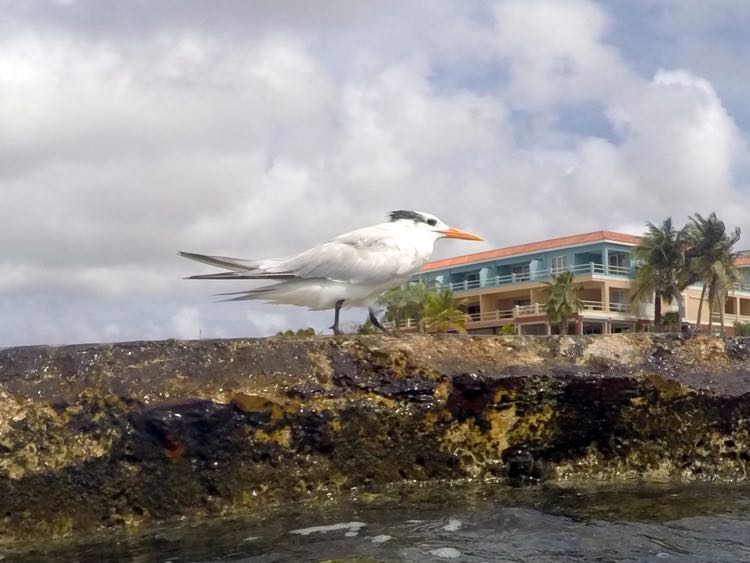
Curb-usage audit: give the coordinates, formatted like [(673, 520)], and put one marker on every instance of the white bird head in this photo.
[(428, 223)]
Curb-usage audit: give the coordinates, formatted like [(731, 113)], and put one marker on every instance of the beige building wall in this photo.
[(607, 292), (736, 307)]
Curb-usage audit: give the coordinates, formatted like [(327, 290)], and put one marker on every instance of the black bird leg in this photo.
[(335, 327), (375, 322)]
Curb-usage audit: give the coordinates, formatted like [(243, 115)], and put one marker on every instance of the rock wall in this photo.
[(112, 435)]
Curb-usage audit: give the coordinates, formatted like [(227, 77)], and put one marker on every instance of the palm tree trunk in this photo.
[(711, 305), (680, 311), (700, 308), (563, 326), (657, 311), (723, 303)]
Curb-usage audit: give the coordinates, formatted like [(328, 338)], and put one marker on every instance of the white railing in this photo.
[(592, 268), (618, 271), (492, 315), (729, 318), (520, 311), (592, 305), (402, 324), (533, 309), (737, 286), (614, 307), (509, 314)]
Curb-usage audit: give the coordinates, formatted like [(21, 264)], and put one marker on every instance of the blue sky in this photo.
[(131, 130)]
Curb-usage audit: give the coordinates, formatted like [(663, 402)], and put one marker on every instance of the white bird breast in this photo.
[(320, 294)]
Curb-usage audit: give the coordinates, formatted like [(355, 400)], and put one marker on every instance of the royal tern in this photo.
[(351, 270)]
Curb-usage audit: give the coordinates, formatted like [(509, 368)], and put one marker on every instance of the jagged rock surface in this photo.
[(112, 435)]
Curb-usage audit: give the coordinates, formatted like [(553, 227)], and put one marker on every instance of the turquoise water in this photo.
[(453, 522)]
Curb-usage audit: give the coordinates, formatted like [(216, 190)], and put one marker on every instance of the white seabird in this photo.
[(351, 270)]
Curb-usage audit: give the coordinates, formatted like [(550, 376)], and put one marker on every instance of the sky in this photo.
[(130, 130)]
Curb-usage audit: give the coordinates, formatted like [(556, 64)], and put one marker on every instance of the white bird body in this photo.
[(351, 270)]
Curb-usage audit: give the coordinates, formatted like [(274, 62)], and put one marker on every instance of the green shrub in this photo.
[(742, 329), (669, 320), (508, 329), (292, 334)]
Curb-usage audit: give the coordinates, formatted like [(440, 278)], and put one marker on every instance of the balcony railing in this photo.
[(592, 268), (509, 314), (519, 312)]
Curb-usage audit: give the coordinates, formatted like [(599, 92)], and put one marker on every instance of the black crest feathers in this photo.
[(404, 214)]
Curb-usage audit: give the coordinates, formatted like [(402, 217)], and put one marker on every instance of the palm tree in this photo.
[(442, 313), (405, 302), (562, 300), (711, 259), (662, 267)]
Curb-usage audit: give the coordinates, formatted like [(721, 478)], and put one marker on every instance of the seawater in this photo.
[(440, 522)]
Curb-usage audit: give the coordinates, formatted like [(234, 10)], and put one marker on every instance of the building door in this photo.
[(559, 264), (521, 272)]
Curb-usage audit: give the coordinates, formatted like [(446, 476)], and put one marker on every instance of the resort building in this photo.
[(507, 287)]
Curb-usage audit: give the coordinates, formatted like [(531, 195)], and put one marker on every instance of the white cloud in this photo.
[(555, 52), (680, 128), (267, 322), (187, 323)]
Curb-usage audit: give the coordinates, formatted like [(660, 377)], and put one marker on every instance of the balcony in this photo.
[(590, 269), (521, 313), (613, 307), (535, 309)]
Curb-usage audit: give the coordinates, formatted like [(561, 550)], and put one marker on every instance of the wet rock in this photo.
[(263, 408), (120, 435)]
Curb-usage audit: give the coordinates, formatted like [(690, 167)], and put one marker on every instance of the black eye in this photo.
[(431, 222)]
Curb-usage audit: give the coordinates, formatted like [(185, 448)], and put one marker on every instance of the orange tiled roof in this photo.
[(533, 247), (742, 261)]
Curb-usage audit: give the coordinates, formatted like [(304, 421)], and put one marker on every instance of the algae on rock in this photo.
[(118, 435)]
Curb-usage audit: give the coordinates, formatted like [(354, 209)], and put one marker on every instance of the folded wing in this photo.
[(369, 255)]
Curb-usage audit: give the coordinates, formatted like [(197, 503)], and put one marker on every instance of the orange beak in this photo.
[(458, 233)]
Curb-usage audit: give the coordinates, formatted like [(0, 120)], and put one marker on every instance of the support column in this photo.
[(605, 296), (605, 259), (486, 303), (484, 275)]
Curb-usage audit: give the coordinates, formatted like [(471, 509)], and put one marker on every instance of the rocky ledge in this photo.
[(112, 435)]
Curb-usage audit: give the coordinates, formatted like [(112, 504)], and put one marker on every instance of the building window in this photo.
[(521, 272), (617, 295), (472, 279), (559, 263), (618, 259), (619, 262)]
